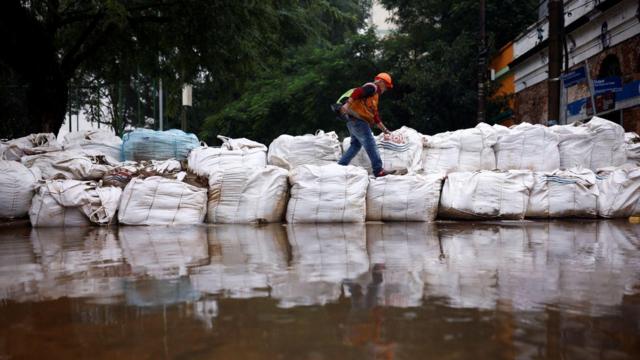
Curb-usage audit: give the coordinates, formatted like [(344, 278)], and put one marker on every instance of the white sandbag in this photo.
[(608, 143), (99, 140), (329, 193), (619, 193), (486, 195), (564, 193), (73, 203), (233, 153), (247, 195), (29, 145), (632, 148), (16, 189), (289, 151), (404, 198), (71, 165), (575, 145), (400, 150), (161, 201), (461, 150), (527, 147)]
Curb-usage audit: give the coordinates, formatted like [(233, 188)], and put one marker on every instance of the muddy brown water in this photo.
[(448, 290)]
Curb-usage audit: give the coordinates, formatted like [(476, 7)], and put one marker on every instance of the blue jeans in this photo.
[(361, 135)]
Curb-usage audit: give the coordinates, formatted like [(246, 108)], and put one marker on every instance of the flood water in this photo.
[(448, 290)]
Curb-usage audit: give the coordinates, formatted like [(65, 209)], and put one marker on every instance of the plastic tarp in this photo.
[(71, 165), (233, 153), (28, 145), (461, 150), (16, 189), (329, 193), (608, 143), (404, 198), (289, 151), (101, 141), (247, 195), (564, 193), (145, 144), (632, 148), (575, 145), (619, 193), (527, 147), (160, 201), (486, 195), (400, 150), (73, 203)]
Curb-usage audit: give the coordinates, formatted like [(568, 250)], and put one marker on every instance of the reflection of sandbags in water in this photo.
[(466, 270), (19, 269), (166, 251), (79, 262), (400, 252), (243, 260), (155, 292), (324, 255)]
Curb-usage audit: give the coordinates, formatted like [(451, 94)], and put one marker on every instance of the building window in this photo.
[(610, 66)]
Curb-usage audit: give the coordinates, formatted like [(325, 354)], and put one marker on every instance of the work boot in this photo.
[(383, 172)]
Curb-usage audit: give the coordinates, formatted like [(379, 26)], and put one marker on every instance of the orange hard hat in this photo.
[(386, 78)]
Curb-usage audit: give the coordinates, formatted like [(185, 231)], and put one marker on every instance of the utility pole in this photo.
[(482, 53), (556, 24)]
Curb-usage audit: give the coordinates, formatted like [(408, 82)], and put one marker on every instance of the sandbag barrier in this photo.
[(487, 172)]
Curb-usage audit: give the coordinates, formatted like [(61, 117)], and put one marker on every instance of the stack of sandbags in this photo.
[(73, 203), (527, 147), (632, 148), (101, 141), (608, 143), (29, 145), (575, 145), (404, 198), (70, 164), (247, 195), (160, 201), (619, 192), (232, 154), (400, 150), (145, 144), (16, 189), (329, 193), (564, 193), (289, 151), (461, 150), (486, 195)]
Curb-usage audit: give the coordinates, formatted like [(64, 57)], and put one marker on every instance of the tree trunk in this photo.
[(47, 104)]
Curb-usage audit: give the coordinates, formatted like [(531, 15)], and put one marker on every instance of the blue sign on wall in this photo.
[(629, 91), (574, 77), (608, 84)]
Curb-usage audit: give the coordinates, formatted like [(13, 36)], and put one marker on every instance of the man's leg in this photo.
[(362, 131), (354, 147)]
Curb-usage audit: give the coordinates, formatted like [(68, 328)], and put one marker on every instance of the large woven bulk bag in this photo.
[(575, 145), (486, 195), (70, 164), (564, 193), (632, 148), (476, 148), (289, 151), (404, 198), (399, 150), (619, 193), (440, 153), (608, 143), (247, 195), (527, 147), (73, 203), (145, 144), (29, 145), (329, 193), (100, 141), (16, 189), (233, 153), (161, 201)]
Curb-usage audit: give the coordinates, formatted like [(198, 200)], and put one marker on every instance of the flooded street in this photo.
[(448, 290)]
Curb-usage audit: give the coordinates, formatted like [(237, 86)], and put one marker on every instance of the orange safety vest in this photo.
[(365, 108)]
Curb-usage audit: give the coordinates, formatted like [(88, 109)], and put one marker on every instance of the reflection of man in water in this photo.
[(364, 326)]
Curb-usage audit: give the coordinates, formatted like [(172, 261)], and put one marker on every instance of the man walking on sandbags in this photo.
[(360, 111)]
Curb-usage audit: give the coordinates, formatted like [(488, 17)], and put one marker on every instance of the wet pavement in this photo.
[(449, 290)]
